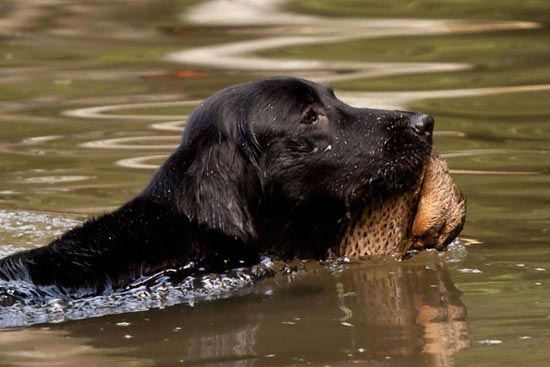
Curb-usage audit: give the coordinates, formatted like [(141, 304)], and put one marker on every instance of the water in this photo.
[(94, 96)]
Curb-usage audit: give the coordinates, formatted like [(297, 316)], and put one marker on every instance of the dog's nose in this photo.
[(423, 125)]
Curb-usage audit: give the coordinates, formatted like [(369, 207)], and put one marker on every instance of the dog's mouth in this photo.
[(431, 215)]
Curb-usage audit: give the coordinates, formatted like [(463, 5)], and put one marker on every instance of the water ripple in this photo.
[(307, 30)]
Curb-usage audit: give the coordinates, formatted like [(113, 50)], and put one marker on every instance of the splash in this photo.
[(23, 304), (22, 229)]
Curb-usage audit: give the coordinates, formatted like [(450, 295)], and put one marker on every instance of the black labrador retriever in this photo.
[(274, 166)]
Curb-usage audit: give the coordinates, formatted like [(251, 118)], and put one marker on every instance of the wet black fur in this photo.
[(273, 166)]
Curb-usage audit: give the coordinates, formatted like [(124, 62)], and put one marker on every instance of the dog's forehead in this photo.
[(289, 85), (286, 90), (301, 93), (295, 87)]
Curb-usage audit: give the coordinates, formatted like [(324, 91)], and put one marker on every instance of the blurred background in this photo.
[(94, 94)]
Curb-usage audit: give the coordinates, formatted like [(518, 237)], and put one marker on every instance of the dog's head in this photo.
[(282, 164)]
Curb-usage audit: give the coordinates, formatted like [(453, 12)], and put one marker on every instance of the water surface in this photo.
[(94, 96)]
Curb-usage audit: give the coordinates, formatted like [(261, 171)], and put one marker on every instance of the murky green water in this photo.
[(92, 97)]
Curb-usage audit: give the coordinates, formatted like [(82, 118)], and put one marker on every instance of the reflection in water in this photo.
[(125, 143), (416, 307), (57, 348), (384, 311), (400, 99)]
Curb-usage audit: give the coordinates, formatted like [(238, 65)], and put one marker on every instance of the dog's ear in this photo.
[(221, 182)]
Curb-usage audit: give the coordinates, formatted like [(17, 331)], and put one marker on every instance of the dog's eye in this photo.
[(310, 117)]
